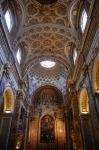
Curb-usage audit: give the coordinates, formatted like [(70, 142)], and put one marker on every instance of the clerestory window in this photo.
[(83, 20), (75, 55), (8, 19), (19, 55)]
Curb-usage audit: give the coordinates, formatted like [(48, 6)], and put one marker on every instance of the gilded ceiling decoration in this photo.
[(74, 14), (47, 96), (45, 31)]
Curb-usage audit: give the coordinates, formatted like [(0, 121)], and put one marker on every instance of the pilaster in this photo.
[(76, 123), (15, 122), (5, 130), (94, 115)]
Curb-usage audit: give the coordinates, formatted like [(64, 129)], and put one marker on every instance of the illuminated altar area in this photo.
[(47, 127)]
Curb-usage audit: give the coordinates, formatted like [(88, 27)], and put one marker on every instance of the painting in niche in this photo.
[(47, 134)]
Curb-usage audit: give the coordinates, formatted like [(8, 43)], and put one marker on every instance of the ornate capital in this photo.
[(7, 69), (73, 95), (85, 70), (71, 83), (20, 95), (22, 84)]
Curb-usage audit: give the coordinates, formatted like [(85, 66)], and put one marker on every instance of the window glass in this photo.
[(8, 19), (74, 55), (83, 20), (47, 63), (18, 55)]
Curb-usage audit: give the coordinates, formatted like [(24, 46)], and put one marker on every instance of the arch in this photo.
[(83, 102), (46, 92), (8, 101), (96, 75)]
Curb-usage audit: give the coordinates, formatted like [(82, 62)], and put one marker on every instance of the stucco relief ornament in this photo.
[(7, 69), (73, 137), (95, 52), (46, 10)]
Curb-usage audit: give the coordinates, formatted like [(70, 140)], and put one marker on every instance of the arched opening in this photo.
[(8, 101), (83, 104), (47, 95), (96, 76), (6, 117)]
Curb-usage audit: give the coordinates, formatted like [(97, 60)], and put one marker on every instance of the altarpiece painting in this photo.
[(47, 128)]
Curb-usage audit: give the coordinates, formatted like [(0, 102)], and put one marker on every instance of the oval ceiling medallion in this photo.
[(46, 1)]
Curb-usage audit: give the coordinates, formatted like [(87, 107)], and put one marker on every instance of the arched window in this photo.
[(83, 20), (19, 55), (8, 101), (74, 55), (96, 75), (8, 19), (83, 102)]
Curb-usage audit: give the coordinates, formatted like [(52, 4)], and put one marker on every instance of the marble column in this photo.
[(87, 133), (26, 122), (67, 131), (15, 122), (96, 97), (5, 130)]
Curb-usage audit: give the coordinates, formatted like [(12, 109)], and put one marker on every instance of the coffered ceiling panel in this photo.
[(44, 30), (56, 76)]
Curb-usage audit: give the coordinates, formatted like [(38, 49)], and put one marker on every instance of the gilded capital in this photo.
[(20, 95)]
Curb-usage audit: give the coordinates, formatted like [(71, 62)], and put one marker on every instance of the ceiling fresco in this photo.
[(46, 96), (46, 30)]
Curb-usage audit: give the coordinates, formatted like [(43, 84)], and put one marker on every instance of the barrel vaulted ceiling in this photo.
[(47, 30)]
